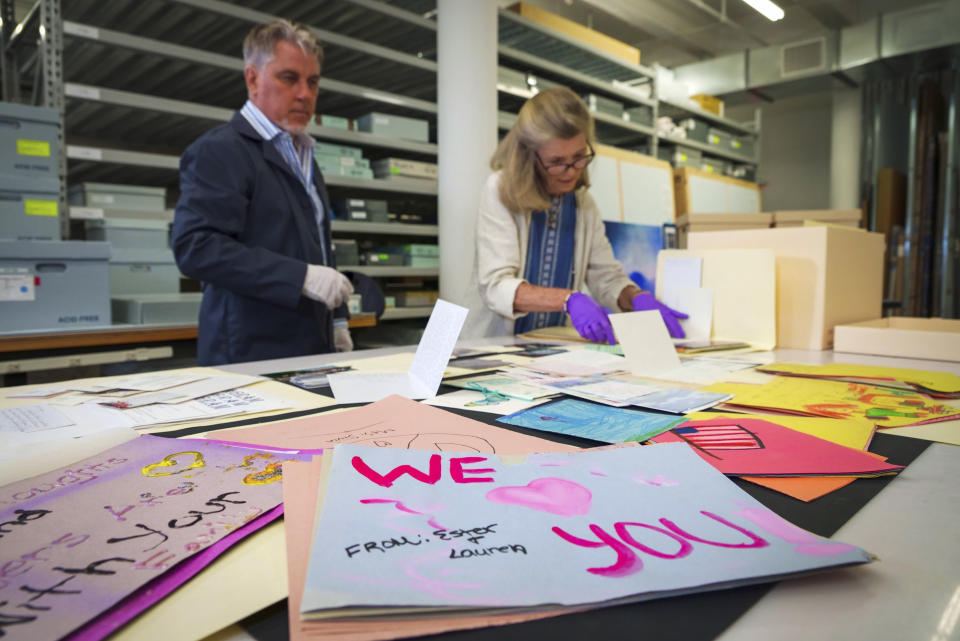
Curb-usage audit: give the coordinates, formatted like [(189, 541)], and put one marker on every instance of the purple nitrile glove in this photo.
[(589, 318), (645, 301)]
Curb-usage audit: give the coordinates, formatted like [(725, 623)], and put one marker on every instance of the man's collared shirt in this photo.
[(297, 151)]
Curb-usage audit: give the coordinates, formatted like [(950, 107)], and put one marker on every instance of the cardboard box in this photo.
[(679, 156), (688, 223), (28, 141), (826, 276), (709, 103), (930, 338), (846, 217), (696, 190), (604, 105), (585, 35), (891, 200), (29, 208)]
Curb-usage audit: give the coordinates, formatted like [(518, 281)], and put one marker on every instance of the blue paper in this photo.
[(446, 531), (596, 422)]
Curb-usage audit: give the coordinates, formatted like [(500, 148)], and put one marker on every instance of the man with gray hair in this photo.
[(253, 219)]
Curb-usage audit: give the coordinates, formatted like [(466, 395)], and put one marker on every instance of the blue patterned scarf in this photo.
[(550, 251)]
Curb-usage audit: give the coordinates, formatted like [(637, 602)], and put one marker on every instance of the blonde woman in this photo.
[(540, 238)]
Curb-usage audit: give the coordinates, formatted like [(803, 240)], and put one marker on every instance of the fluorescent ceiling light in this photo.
[(769, 10)]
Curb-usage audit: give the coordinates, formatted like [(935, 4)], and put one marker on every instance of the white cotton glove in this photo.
[(341, 339), (326, 285)]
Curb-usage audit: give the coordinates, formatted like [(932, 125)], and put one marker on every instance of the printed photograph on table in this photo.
[(595, 422), (474, 534), (309, 378)]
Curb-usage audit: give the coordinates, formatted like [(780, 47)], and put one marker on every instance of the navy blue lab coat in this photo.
[(245, 227)]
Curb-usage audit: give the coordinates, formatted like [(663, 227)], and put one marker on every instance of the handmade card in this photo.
[(940, 382), (596, 422), (751, 445), (80, 539), (883, 406), (403, 532)]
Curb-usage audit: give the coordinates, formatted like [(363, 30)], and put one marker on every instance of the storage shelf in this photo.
[(141, 45), (397, 313), (578, 78), (393, 271), (670, 108), (100, 213), (102, 122), (395, 185), (712, 150), (520, 33), (397, 229)]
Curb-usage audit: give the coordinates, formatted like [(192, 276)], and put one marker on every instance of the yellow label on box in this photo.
[(33, 147), (40, 207)]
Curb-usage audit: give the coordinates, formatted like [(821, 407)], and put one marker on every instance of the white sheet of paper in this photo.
[(426, 371), (142, 382), (578, 362), (42, 392), (697, 304), (645, 341), (32, 418), (680, 272), (192, 390)]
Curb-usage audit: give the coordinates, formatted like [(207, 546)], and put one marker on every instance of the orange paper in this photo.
[(393, 422), (300, 481)]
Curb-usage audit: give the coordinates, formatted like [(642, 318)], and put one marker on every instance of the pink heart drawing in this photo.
[(553, 495)]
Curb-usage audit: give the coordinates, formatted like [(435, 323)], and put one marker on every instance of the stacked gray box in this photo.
[(346, 252), (143, 271), (130, 233), (392, 126), (721, 138), (744, 145), (28, 141), (697, 130), (641, 115), (715, 166), (53, 285), (180, 308), (29, 208), (604, 104), (110, 196), (680, 156)]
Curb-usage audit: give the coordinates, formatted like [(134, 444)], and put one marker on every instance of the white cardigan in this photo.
[(502, 237)]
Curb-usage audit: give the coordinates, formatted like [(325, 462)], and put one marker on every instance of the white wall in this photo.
[(809, 150)]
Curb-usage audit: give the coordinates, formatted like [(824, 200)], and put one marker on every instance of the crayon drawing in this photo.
[(596, 422)]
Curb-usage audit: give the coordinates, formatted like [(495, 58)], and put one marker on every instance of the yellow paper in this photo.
[(40, 207), (33, 147), (834, 399), (744, 292), (937, 381)]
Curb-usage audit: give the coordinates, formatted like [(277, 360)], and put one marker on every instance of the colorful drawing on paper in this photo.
[(595, 422), (636, 248), (549, 531), (754, 446), (885, 407), (78, 540)]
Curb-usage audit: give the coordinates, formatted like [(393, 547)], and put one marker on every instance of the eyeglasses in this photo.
[(560, 168)]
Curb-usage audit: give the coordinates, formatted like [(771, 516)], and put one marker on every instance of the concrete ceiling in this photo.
[(678, 32)]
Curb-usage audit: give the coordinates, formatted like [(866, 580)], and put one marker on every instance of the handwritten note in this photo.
[(78, 540), (443, 532)]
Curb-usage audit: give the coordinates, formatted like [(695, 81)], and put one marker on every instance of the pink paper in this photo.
[(752, 446), (116, 532)]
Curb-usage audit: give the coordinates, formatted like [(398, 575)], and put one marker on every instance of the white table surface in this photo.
[(913, 526)]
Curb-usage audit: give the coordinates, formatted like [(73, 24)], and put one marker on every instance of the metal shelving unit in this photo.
[(532, 46), (139, 80), (398, 313), (387, 271)]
